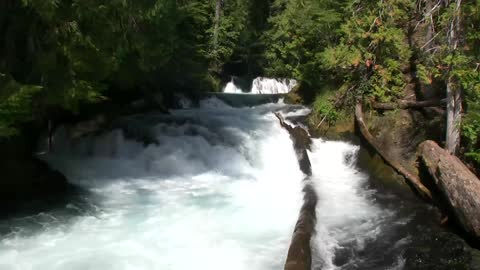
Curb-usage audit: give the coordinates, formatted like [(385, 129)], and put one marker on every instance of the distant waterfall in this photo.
[(232, 88), (272, 86), (263, 85)]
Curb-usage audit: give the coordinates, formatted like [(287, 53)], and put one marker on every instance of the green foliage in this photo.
[(63, 53), (82, 51), (324, 107), (300, 30), (15, 104), (373, 50)]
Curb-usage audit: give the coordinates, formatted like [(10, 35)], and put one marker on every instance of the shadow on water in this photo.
[(410, 236), (25, 218)]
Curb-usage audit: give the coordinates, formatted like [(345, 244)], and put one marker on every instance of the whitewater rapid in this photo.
[(221, 189), (215, 187)]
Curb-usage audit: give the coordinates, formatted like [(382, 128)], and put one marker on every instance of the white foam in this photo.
[(232, 88), (263, 85), (346, 213), (220, 191)]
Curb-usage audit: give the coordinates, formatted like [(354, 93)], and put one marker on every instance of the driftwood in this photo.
[(299, 253), (409, 104), (457, 185), (412, 179), (301, 142)]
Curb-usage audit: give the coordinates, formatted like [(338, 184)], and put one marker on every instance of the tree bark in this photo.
[(458, 186), (301, 143), (412, 179), (430, 26), (454, 116), (299, 253), (409, 104), (454, 95), (218, 10)]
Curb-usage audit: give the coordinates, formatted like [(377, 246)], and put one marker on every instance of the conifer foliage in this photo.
[(64, 53)]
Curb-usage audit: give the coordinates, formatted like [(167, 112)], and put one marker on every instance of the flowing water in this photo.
[(272, 86), (262, 85), (219, 188)]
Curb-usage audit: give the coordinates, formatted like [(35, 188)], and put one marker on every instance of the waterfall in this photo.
[(231, 88), (263, 85), (272, 86)]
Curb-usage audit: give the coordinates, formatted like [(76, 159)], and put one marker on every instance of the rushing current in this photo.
[(209, 188), (220, 189)]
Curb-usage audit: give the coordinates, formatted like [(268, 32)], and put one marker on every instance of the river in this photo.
[(219, 188)]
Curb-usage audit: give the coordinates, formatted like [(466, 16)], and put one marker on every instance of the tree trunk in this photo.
[(218, 10), (409, 104), (430, 26), (299, 255), (458, 186), (454, 116), (454, 95), (412, 179)]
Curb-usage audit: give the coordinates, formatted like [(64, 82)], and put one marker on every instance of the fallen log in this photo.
[(299, 255), (301, 143), (409, 104), (412, 179), (457, 185)]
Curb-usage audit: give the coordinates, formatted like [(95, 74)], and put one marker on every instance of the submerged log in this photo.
[(412, 179), (459, 187), (409, 104)]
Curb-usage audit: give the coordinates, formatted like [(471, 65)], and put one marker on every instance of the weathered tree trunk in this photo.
[(454, 95), (458, 186), (409, 104), (299, 253), (412, 179), (454, 116), (218, 10), (430, 26), (301, 142)]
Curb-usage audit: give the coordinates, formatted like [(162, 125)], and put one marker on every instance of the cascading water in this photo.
[(359, 227), (217, 188), (347, 216), (263, 85), (221, 189), (272, 86), (231, 88)]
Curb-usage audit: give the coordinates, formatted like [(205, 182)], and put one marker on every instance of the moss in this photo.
[(342, 129)]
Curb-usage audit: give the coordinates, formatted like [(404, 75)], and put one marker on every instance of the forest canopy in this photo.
[(64, 53)]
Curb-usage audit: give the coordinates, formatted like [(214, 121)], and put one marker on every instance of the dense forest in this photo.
[(58, 55)]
